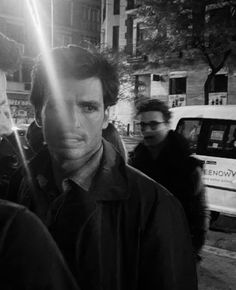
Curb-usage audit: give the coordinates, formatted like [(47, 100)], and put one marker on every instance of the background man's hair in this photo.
[(154, 105), (79, 63)]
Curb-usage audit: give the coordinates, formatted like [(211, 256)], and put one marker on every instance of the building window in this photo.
[(130, 4), (177, 86), (14, 77), (104, 10), (141, 36), (219, 83), (115, 38), (129, 35), (116, 7)]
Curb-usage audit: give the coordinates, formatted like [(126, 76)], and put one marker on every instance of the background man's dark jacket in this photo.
[(29, 258), (133, 236), (174, 169)]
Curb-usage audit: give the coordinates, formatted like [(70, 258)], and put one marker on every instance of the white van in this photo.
[(211, 131)]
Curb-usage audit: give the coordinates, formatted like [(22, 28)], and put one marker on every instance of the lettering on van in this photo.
[(221, 173)]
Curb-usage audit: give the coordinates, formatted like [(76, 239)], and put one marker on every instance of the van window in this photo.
[(209, 137), (215, 138), (221, 138), (231, 141), (190, 129)]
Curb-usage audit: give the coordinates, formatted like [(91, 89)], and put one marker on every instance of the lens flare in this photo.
[(54, 84), (33, 8)]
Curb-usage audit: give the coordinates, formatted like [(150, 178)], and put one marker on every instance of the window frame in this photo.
[(115, 37), (116, 7), (204, 134), (173, 86)]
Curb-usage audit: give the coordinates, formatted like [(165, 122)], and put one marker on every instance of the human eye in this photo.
[(89, 107)]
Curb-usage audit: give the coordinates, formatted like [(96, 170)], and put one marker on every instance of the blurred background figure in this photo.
[(10, 59), (34, 137), (165, 156)]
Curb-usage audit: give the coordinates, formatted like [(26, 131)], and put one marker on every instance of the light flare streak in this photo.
[(54, 84)]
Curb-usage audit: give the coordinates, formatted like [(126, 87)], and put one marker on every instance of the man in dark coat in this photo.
[(29, 258), (117, 228), (9, 62), (164, 155)]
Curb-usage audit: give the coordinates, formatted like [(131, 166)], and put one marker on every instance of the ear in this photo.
[(106, 118), (38, 118)]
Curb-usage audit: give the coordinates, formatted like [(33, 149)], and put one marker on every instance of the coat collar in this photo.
[(110, 182)]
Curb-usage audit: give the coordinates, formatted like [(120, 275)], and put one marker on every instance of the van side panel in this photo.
[(220, 181), (211, 131)]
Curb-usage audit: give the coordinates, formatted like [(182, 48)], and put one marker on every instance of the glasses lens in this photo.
[(153, 125)]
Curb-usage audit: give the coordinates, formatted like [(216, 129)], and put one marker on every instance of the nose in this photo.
[(146, 129)]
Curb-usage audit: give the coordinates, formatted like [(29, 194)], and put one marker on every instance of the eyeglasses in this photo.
[(152, 124)]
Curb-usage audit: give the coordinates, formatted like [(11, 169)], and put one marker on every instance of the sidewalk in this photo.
[(221, 240), (216, 272), (225, 223)]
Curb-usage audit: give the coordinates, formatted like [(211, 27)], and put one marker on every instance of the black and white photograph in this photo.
[(117, 144)]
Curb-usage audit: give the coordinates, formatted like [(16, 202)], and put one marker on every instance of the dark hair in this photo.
[(75, 62), (34, 137), (154, 105)]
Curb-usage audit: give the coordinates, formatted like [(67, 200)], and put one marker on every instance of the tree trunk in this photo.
[(207, 88)]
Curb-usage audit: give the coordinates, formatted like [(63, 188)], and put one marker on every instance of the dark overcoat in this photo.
[(127, 232), (29, 258), (175, 169)]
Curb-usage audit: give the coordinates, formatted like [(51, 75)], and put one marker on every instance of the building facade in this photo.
[(177, 85), (113, 24), (63, 22), (114, 29), (181, 84)]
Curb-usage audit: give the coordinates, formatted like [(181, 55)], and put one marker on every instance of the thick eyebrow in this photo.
[(89, 103)]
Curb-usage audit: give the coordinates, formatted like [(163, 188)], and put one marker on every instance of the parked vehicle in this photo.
[(211, 131)]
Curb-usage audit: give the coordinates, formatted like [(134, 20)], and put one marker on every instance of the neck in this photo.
[(67, 167), (155, 149)]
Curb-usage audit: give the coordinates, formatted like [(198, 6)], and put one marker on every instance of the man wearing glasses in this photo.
[(164, 155)]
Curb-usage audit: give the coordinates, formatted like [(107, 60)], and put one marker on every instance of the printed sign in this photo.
[(220, 172), (177, 101)]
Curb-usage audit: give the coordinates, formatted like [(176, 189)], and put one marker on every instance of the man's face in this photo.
[(153, 127), (73, 126)]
